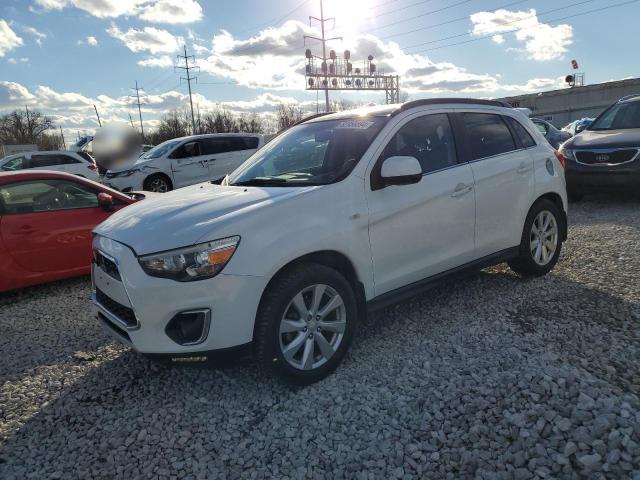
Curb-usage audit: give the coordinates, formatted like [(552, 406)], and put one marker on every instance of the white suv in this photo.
[(77, 163), (340, 215), (185, 161)]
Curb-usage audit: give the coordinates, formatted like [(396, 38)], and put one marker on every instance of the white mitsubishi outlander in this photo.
[(340, 215)]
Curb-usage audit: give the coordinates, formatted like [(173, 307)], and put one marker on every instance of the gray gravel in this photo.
[(492, 377)]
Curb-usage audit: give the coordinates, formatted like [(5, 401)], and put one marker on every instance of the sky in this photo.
[(64, 56)]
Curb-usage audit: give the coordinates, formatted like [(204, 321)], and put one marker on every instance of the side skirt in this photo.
[(403, 293)]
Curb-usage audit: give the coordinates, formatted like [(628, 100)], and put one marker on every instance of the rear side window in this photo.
[(487, 134), (525, 137), (251, 143), (429, 139), (212, 146), (39, 161)]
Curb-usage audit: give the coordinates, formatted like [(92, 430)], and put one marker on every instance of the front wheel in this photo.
[(305, 324), (157, 183), (541, 240)]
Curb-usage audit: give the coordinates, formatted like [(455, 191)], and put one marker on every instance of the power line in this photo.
[(608, 7), (139, 109), (459, 19), (422, 15), (276, 19), (188, 78), (466, 34), (390, 12)]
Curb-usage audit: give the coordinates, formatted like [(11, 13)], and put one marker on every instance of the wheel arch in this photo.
[(158, 174), (556, 199), (330, 258)]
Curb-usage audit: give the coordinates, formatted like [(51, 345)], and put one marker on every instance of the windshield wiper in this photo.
[(260, 181)]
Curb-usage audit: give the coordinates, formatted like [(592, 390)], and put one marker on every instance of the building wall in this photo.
[(561, 107)]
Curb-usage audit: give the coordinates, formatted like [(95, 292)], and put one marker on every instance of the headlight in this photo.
[(126, 173), (567, 153), (198, 262)]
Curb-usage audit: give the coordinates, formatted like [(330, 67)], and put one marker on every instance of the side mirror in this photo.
[(400, 170), (105, 201)]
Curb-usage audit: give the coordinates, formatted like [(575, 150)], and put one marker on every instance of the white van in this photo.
[(185, 161)]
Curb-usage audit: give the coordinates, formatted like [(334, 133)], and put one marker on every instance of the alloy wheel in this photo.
[(158, 185), (312, 327), (544, 237)]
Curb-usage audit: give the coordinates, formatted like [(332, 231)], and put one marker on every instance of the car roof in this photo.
[(18, 175), (215, 135), (394, 109)]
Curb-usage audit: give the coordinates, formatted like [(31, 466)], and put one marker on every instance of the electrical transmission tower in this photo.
[(188, 78), (139, 109), (324, 41)]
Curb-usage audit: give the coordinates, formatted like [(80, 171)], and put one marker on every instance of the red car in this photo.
[(46, 219)]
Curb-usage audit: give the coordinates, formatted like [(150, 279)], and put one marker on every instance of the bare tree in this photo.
[(287, 115), (172, 125), (19, 128)]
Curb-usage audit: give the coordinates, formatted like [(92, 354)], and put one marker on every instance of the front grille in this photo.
[(125, 314), (107, 265), (610, 157)]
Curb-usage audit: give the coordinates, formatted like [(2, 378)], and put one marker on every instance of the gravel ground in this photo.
[(490, 377)]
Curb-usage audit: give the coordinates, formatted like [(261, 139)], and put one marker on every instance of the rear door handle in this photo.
[(461, 189)]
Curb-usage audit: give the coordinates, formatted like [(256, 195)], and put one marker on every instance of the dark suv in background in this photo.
[(607, 154)]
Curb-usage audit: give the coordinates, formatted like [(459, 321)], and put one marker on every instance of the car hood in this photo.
[(605, 139), (183, 217)]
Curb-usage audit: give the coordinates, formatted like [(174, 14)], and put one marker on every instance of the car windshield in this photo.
[(316, 153), (619, 117), (160, 150)]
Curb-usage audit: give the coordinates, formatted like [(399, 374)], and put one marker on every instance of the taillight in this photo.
[(92, 167), (560, 158)]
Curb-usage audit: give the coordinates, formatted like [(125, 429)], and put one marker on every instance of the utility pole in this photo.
[(64, 145), (97, 114), (188, 79), (28, 121), (325, 66), (131, 121), (139, 109)]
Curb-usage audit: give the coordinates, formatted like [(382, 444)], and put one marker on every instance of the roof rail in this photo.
[(440, 101), (629, 97)]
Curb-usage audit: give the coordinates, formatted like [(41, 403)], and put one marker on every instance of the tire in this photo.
[(534, 261), (157, 182), (299, 354), (574, 195)]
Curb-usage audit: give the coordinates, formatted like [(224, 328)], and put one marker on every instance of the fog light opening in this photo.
[(189, 328)]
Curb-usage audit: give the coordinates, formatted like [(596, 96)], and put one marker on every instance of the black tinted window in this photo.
[(216, 145), (17, 163), (251, 142), (487, 134), (429, 139), (525, 137), (39, 161)]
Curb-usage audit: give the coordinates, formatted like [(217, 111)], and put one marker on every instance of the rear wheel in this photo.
[(305, 324), (541, 240), (157, 183)]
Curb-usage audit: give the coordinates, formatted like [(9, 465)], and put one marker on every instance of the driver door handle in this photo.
[(461, 189)]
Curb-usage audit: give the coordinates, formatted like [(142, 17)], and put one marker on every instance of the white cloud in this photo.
[(91, 40), (163, 61), (157, 11), (149, 39), (13, 94), (499, 39), (172, 11), (542, 41), (39, 36), (12, 61), (8, 38)]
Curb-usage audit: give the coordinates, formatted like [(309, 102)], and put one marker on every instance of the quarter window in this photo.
[(46, 195), (429, 139), (212, 146), (487, 135), (525, 137)]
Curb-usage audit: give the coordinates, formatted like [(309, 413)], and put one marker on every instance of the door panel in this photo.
[(419, 230), (422, 229), (504, 182), (188, 165)]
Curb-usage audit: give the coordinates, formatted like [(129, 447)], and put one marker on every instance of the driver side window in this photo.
[(186, 150), (429, 139), (45, 196)]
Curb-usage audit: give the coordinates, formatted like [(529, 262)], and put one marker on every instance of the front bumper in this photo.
[(125, 184), (137, 308), (597, 177)]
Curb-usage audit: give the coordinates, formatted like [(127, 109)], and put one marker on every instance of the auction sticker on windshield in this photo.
[(355, 124)]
